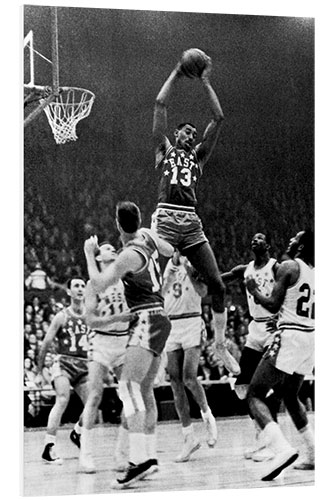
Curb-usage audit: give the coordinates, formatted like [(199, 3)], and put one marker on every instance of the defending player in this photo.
[(183, 290), (261, 328), (108, 317), (137, 265), (71, 366), (290, 356), (175, 219)]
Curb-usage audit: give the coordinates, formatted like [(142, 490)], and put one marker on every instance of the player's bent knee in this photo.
[(131, 397)]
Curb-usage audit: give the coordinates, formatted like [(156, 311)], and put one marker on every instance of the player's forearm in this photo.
[(213, 100), (166, 89)]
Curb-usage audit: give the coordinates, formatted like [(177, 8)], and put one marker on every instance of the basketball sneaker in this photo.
[(49, 456), (75, 437), (86, 463), (191, 444), (211, 429), (282, 460), (304, 465), (153, 466), (262, 455), (133, 473)]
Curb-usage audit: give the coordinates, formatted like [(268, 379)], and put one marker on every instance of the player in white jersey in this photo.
[(182, 292), (108, 316), (290, 356), (261, 327)]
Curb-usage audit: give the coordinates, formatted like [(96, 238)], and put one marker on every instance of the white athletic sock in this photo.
[(78, 428), (308, 439), (49, 438), (122, 441), (137, 448), (220, 324), (187, 430), (87, 441), (274, 438), (206, 415), (151, 445)]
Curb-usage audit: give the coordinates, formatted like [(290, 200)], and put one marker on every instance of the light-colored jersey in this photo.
[(181, 300), (297, 311), (264, 278), (112, 301)]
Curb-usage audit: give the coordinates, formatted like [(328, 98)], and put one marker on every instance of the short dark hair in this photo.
[(128, 216), (308, 250), (181, 125), (69, 281)]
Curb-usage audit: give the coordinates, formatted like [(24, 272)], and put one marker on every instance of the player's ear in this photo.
[(176, 132)]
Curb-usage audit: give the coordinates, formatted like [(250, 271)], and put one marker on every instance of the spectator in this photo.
[(38, 279)]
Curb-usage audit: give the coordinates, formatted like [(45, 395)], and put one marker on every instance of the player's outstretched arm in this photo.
[(236, 273), (205, 148), (160, 121)]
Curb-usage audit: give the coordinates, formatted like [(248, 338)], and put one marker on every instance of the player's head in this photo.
[(106, 252), (128, 217), (76, 287), (302, 245), (260, 243), (185, 135)]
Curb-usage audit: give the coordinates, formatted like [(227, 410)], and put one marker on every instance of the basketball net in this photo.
[(66, 110)]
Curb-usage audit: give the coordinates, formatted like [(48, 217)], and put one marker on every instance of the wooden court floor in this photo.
[(222, 467)]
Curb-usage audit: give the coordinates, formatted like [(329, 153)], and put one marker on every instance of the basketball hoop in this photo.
[(71, 105)]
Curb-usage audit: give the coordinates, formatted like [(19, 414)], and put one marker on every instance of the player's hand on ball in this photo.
[(250, 284), (208, 69)]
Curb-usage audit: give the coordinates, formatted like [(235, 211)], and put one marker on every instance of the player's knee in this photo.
[(241, 391), (256, 391), (131, 397)]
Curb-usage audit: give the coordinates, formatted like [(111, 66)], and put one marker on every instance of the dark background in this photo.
[(261, 174)]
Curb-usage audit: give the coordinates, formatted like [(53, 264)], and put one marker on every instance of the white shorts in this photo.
[(292, 351), (185, 333), (108, 350), (258, 337)]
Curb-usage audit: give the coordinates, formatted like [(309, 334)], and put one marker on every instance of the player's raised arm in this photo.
[(160, 122), (129, 260), (55, 324), (205, 148)]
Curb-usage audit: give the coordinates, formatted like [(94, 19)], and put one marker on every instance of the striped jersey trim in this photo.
[(184, 316), (176, 208), (122, 333), (152, 307), (60, 355), (295, 326), (263, 320)]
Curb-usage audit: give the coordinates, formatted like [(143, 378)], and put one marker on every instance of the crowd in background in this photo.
[(57, 222)]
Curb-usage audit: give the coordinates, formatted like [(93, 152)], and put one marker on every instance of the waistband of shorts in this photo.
[(153, 308), (263, 320), (176, 208), (112, 334), (184, 316), (68, 356)]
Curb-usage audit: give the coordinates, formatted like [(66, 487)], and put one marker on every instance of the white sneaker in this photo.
[(279, 463), (211, 431), (305, 463), (191, 444), (86, 463), (262, 455)]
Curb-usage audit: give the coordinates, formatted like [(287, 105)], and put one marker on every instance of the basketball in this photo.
[(193, 62)]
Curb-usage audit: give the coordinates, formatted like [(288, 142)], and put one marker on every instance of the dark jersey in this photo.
[(180, 173), (72, 336), (143, 288)]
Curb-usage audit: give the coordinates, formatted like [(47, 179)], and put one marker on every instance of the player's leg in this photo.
[(297, 411), (203, 259), (91, 393), (121, 446), (175, 370), (190, 371), (147, 389), (265, 378), (62, 390)]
